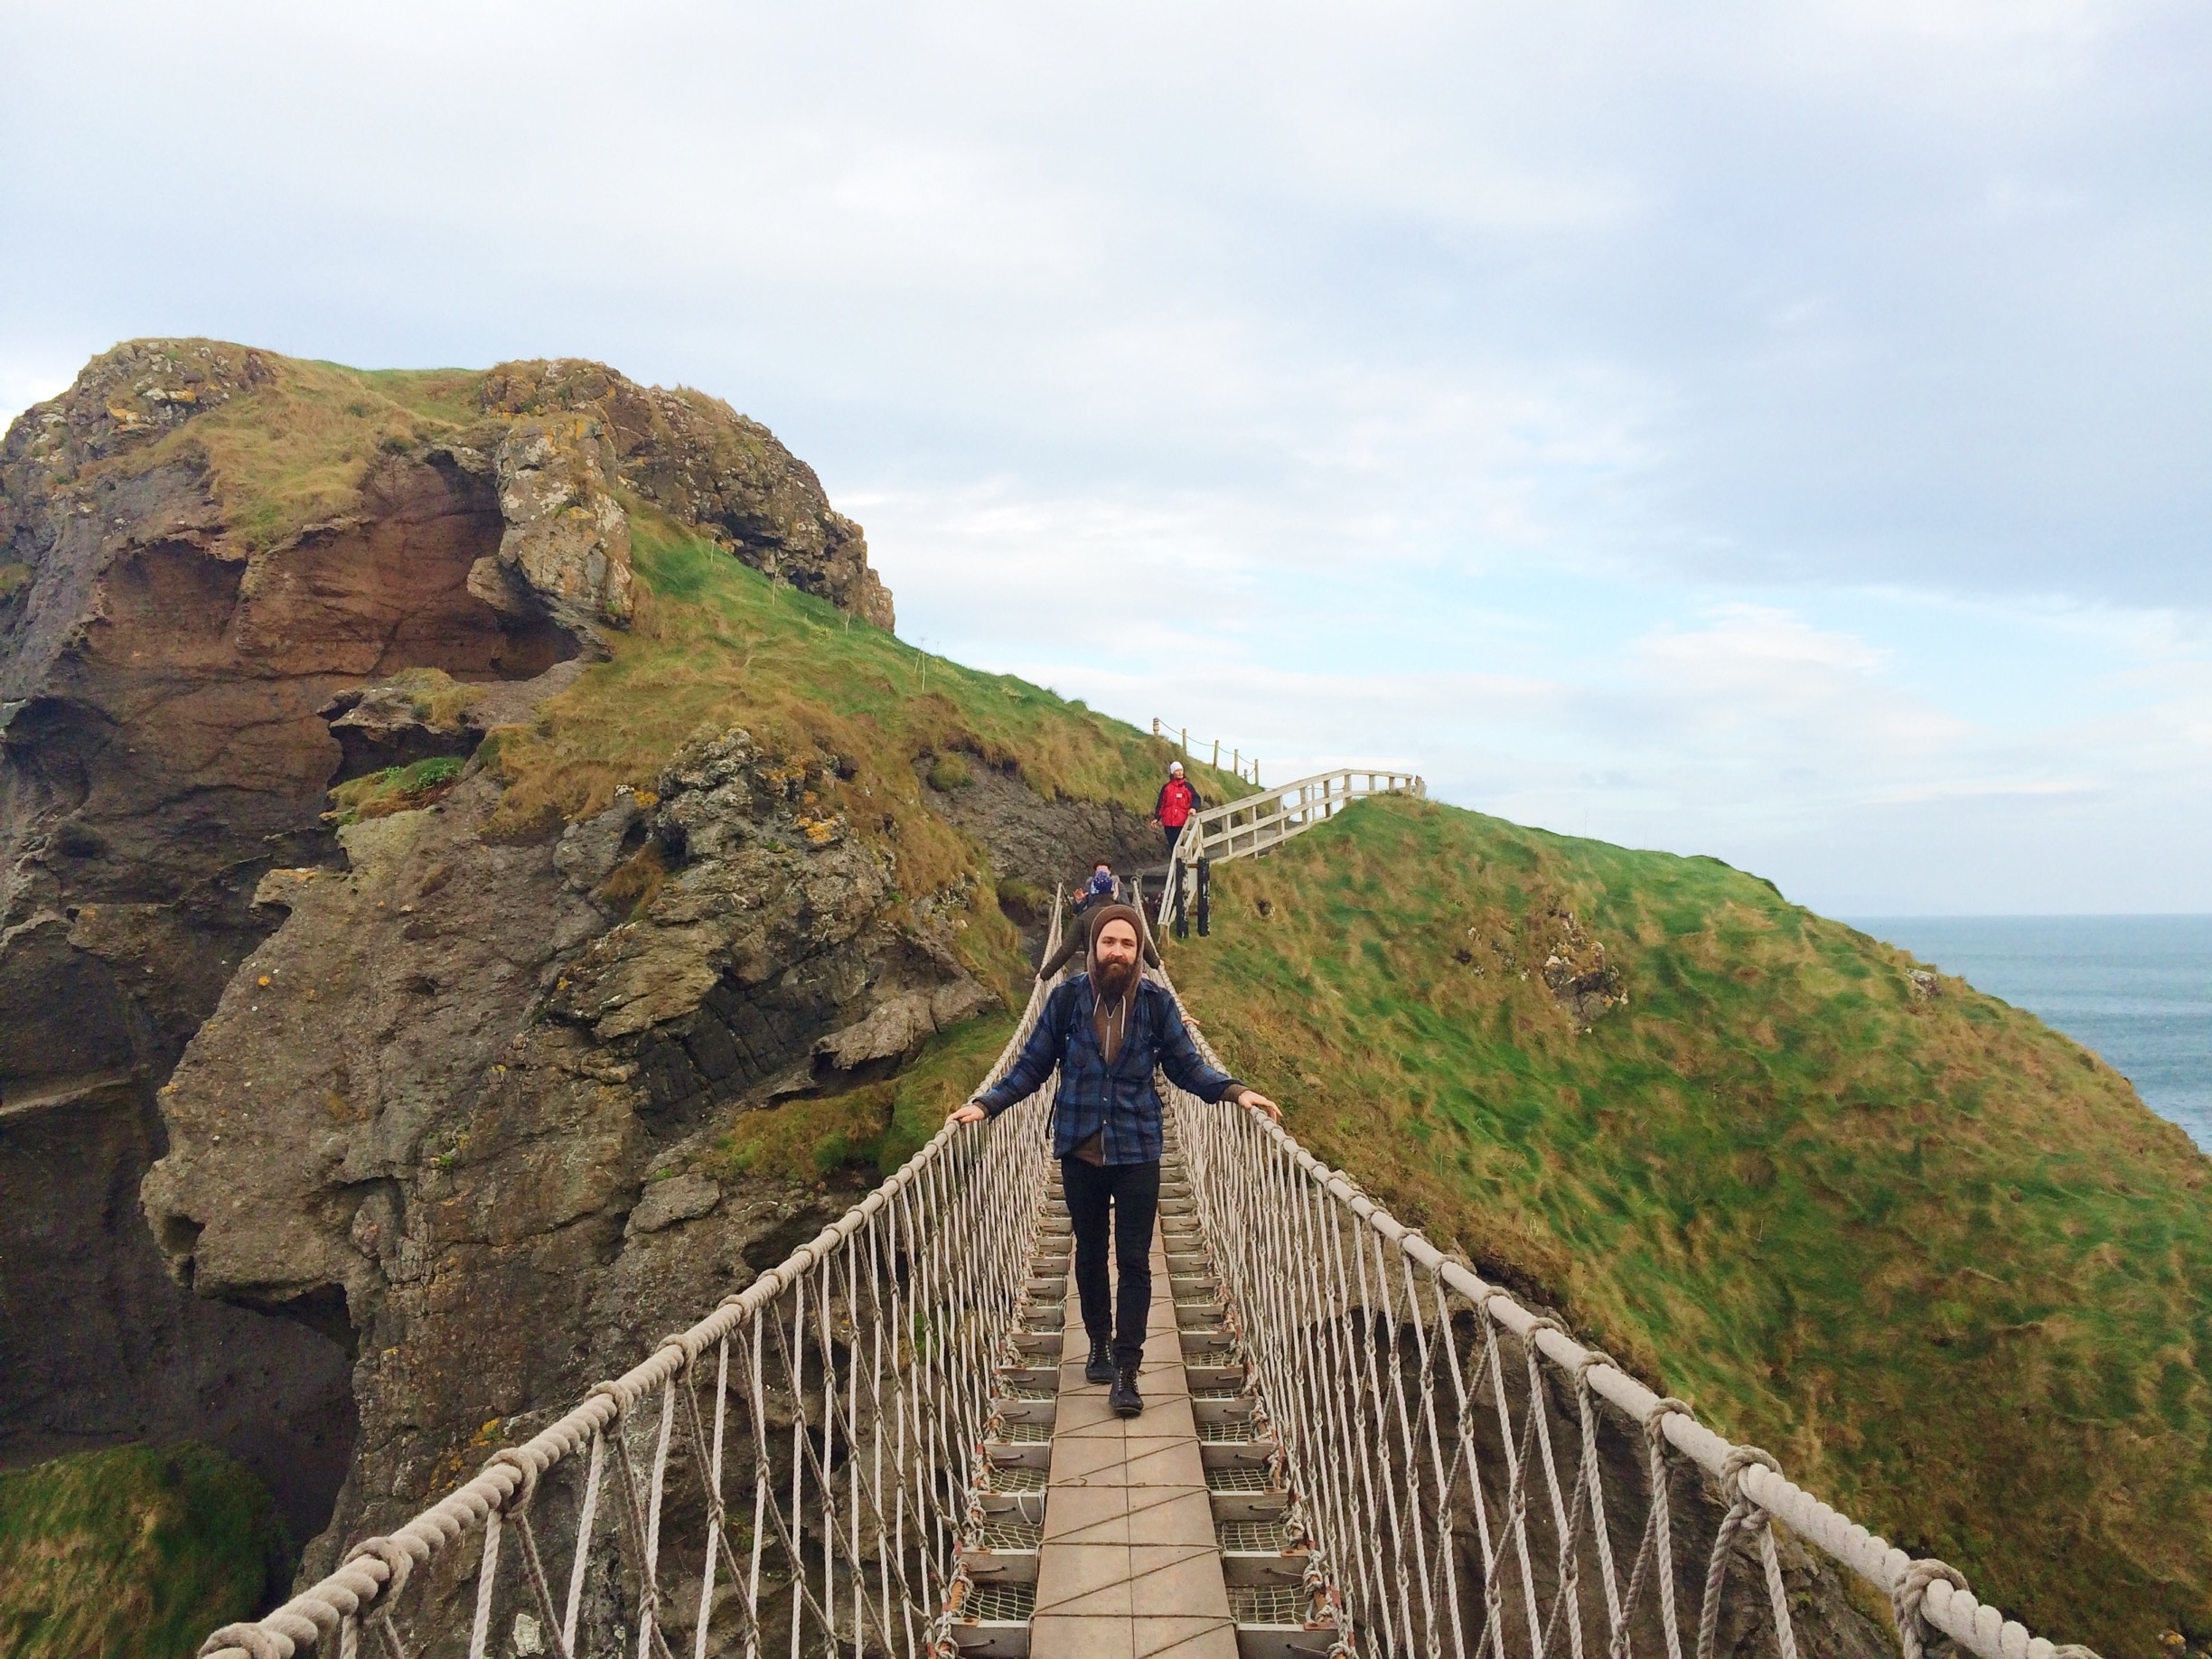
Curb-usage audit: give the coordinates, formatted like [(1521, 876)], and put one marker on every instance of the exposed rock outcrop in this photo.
[(1043, 841), (1572, 965), (161, 746), (692, 456), (184, 672), (433, 1097), (1575, 967)]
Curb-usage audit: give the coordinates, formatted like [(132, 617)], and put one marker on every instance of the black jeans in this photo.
[(1133, 1192)]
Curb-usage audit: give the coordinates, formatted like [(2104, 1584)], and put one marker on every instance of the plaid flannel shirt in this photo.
[(1118, 1099)]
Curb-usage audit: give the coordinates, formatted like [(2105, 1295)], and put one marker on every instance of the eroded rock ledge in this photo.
[(172, 652), (431, 1100)]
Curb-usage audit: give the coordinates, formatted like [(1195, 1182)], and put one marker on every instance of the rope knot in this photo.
[(518, 1501), (1591, 1359), (1910, 1591), (1732, 1469), (251, 1638), (400, 1556), (1654, 1419), (257, 1642)]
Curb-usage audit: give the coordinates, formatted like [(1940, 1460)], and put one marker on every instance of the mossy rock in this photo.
[(948, 772), (134, 1552)]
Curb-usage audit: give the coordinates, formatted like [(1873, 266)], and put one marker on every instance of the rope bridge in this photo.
[(850, 1456), (1476, 1479)]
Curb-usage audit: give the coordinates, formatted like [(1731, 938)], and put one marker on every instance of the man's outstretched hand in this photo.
[(1252, 1097), (972, 1112)]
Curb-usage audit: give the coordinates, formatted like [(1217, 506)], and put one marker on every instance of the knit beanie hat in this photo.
[(1097, 919)]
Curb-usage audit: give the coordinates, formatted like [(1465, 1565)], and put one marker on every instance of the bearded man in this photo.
[(1106, 1029)]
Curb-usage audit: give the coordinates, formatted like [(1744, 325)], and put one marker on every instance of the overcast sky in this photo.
[(1780, 432)]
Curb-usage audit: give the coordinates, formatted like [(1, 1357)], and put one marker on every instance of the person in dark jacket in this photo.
[(1178, 801), (1103, 887), (1106, 1029)]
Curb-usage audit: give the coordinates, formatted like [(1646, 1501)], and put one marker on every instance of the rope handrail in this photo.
[(1371, 1460), (927, 1396), (848, 1395), (1239, 762)]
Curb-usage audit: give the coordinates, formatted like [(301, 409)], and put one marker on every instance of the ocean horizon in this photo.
[(2137, 989)]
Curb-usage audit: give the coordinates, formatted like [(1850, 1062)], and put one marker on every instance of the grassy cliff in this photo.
[(1937, 1258), (133, 1553), (716, 645)]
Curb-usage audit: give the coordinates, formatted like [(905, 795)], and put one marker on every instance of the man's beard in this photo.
[(1114, 978)]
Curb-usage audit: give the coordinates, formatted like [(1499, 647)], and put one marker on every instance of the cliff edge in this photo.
[(435, 808)]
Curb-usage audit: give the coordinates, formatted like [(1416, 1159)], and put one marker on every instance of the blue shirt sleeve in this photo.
[(1039, 1054), (1178, 1056)]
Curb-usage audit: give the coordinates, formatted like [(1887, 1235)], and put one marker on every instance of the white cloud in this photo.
[(1780, 430)]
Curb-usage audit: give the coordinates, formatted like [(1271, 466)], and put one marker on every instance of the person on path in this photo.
[(1106, 1029), (1102, 888), (1178, 801)]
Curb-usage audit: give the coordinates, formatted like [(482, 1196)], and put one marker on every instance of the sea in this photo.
[(2137, 990)]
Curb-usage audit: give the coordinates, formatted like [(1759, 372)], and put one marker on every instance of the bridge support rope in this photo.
[(860, 1369), (1377, 1357), (1446, 1462)]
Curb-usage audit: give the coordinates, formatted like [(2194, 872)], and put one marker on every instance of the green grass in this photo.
[(1936, 1257), (133, 1553), (395, 789), (876, 1127), (716, 644), (295, 450)]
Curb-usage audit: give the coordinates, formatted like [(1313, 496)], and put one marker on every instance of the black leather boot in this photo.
[(1125, 1399), (1099, 1367)]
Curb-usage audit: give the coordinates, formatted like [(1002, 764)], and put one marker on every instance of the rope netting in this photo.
[(791, 1475), (1472, 1481), (796, 1473)]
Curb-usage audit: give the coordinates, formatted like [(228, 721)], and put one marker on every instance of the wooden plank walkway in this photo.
[(1129, 1567)]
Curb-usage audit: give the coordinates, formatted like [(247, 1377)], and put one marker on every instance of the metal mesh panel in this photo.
[(1225, 1434), (1001, 1604), (1268, 1604), (1254, 1537)]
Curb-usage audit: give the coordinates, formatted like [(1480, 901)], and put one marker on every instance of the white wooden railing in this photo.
[(1244, 828)]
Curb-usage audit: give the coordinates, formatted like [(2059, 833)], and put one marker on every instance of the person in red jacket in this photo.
[(1178, 802)]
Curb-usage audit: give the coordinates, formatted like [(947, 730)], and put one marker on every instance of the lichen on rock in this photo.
[(567, 536), (1574, 968), (228, 581)]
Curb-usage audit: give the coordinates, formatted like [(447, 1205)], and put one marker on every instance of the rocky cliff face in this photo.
[(688, 454), (397, 1077)]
